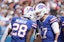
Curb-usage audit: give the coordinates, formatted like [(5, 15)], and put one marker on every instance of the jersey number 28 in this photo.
[(20, 28)]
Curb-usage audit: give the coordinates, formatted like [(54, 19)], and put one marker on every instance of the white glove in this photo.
[(36, 35), (55, 40)]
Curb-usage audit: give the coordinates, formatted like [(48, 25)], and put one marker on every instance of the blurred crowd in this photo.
[(14, 8)]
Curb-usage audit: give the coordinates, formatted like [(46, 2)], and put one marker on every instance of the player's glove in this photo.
[(55, 40)]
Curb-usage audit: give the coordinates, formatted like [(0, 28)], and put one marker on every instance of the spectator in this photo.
[(11, 5), (25, 4), (0, 2), (46, 2), (54, 8), (18, 11)]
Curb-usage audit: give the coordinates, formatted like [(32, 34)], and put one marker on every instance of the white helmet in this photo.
[(41, 8), (29, 13)]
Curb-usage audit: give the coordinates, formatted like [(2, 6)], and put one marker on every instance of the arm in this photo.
[(55, 27), (38, 37), (29, 34), (6, 33)]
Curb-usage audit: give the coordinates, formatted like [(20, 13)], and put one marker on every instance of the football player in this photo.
[(48, 24), (61, 22), (21, 29)]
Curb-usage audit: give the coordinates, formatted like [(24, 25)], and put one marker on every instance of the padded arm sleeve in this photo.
[(55, 27)]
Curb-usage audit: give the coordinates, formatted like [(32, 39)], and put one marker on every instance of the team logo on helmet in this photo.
[(40, 6), (30, 9)]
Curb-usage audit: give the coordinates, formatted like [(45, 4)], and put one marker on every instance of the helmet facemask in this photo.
[(41, 13), (33, 17), (41, 10)]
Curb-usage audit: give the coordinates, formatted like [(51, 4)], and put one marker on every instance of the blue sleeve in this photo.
[(62, 22), (60, 19), (13, 19), (34, 25), (53, 19), (31, 24)]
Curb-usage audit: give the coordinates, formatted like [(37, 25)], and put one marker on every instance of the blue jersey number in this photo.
[(20, 28)]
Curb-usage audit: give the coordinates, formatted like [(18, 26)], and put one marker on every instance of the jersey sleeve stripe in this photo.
[(53, 21), (62, 24), (34, 25)]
